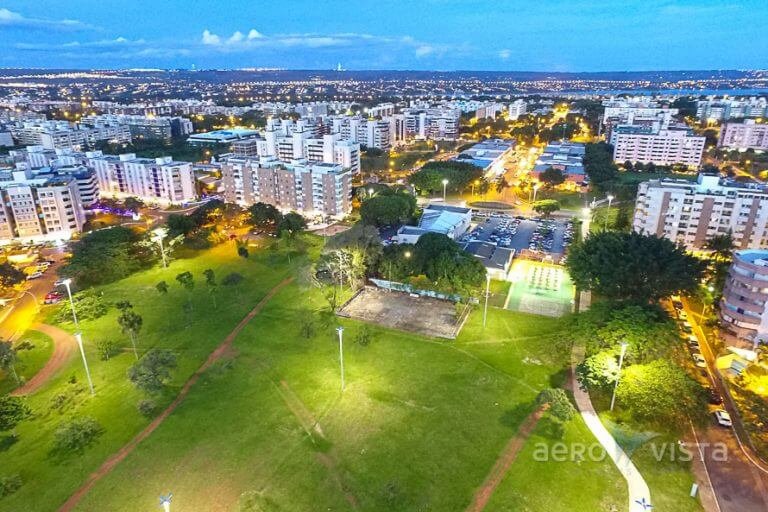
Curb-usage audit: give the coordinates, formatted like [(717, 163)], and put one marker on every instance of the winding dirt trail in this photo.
[(64, 348), (126, 450)]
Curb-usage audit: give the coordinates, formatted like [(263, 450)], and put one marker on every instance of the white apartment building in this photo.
[(64, 135), (723, 109), (638, 107), (516, 109), (690, 213), (153, 180), (314, 188), (149, 127), (39, 209), (742, 136), (669, 146)]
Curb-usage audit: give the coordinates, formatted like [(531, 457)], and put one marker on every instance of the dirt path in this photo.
[(505, 460), (312, 427), (64, 347), (126, 450)]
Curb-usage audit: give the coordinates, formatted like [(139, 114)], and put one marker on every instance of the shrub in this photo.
[(76, 435), (232, 279), (364, 336), (146, 407), (153, 370), (107, 349)]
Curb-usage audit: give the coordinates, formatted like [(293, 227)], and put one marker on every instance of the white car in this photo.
[(723, 418), (699, 360), (34, 275)]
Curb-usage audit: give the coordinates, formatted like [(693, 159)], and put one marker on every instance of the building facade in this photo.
[(746, 135), (638, 143), (744, 306), (690, 213)]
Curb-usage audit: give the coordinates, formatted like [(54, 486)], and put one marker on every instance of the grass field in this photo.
[(30, 360), (419, 426)]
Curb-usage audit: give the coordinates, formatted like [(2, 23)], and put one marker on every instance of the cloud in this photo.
[(505, 54), (254, 34), (424, 50), (210, 39), (9, 18)]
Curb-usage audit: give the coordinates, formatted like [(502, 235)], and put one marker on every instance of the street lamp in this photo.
[(535, 190), (370, 192), (610, 200), (476, 182), (487, 292), (165, 502), (160, 233), (340, 330), (79, 339), (67, 282), (445, 184), (618, 375)]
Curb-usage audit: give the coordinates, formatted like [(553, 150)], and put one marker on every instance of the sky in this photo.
[(493, 35)]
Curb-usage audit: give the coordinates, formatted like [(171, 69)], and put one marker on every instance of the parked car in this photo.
[(35, 275), (699, 360), (714, 397), (52, 298), (686, 328), (677, 304), (723, 418)]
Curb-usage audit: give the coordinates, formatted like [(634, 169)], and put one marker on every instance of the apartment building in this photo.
[(690, 213), (314, 188), (153, 180), (39, 209), (744, 305), (516, 109), (742, 136), (635, 107), (65, 135), (666, 146), (713, 110), (148, 127)]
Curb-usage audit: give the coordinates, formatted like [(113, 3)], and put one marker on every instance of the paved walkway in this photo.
[(64, 347), (126, 450), (638, 491)]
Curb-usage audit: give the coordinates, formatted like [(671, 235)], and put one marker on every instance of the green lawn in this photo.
[(33, 350)]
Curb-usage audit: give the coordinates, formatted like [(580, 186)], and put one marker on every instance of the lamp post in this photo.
[(165, 502), (618, 375), (535, 191), (610, 200), (476, 182), (160, 233), (487, 292), (340, 330), (79, 339), (587, 211), (445, 184), (67, 283), (370, 193)]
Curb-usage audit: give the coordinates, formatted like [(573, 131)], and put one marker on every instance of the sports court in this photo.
[(540, 288)]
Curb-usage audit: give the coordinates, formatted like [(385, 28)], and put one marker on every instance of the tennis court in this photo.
[(540, 288)]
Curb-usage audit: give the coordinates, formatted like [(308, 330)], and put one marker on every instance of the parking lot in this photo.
[(546, 235)]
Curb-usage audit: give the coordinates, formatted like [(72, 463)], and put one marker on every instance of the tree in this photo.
[(131, 323), (76, 435), (633, 267), (186, 280), (291, 224), (560, 406), (232, 279), (360, 237), (660, 392), (13, 410), (722, 247), (460, 175), (387, 209), (8, 358), (10, 275), (546, 206), (598, 371), (242, 251), (552, 177), (179, 224), (153, 370), (133, 203), (210, 281), (108, 255), (599, 166), (162, 287), (263, 215), (123, 305)]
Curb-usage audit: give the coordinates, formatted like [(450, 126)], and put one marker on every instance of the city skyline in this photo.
[(516, 36)]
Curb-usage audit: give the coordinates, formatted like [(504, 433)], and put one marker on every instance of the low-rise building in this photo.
[(221, 136), (566, 157), (690, 213), (452, 221), (496, 260), (488, 155)]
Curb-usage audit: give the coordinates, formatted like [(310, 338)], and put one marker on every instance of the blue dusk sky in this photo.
[(513, 35)]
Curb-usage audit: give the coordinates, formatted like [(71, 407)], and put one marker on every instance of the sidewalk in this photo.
[(639, 494)]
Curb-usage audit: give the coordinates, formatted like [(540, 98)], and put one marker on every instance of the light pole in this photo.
[(535, 191), (370, 193), (487, 292), (587, 211), (165, 502), (340, 330), (610, 200), (67, 283), (445, 184), (160, 233), (476, 182), (618, 375), (79, 339)]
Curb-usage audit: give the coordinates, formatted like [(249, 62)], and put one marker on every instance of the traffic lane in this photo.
[(738, 484), (25, 308)]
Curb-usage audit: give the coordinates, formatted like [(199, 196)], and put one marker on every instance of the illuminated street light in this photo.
[(340, 330), (67, 283), (445, 184), (165, 502), (610, 200), (618, 375), (79, 339), (407, 254), (370, 192), (535, 190), (159, 234)]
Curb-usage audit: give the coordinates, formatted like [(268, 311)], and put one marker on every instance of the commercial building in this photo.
[(496, 260), (315, 188), (488, 155), (221, 136), (153, 180), (667, 146), (690, 213), (39, 209), (744, 305), (742, 136), (452, 221), (567, 157)]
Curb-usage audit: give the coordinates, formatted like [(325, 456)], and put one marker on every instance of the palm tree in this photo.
[(131, 322), (722, 246)]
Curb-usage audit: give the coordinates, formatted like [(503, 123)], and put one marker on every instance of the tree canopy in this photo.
[(631, 266), (546, 207), (10, 275), (263, 215), (552, 177), (291, 224), (388, 208), (110, 254), (599, 166), (460, 175)]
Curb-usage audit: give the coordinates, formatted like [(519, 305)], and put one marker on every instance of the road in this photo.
[(740, 485)]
